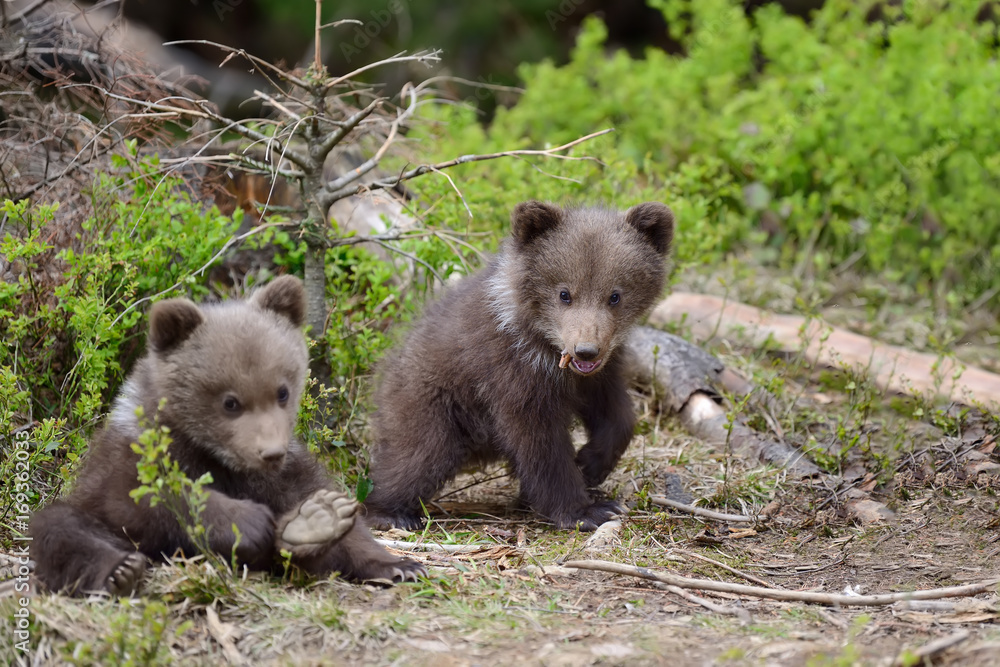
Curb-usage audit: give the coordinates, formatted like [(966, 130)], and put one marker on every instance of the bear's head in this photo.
[(232, 373), (583, 276)]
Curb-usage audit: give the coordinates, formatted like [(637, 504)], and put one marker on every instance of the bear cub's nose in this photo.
[(586, 351), (273, 455)]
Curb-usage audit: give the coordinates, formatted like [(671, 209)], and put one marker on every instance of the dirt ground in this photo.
[(510, 601)]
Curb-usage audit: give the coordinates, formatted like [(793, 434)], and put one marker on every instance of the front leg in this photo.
[(254, 521), (541, 453), (609, 417)]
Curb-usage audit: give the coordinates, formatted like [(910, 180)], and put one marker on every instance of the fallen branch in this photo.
[(686, 374), (430, 546), (700, 511), (787, 596)]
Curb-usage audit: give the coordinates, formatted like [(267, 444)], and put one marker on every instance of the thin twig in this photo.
[(788, 596), (26, 11), (350, 190), (730, 610), (334, 138), (926, 653), (748, 577), (229, 244), (401, 57), (260, 63), (700, 511)]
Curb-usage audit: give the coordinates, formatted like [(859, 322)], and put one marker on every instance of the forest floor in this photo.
[(508, 597)]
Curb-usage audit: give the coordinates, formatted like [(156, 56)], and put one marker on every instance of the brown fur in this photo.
[(478, 378), (232, 375)]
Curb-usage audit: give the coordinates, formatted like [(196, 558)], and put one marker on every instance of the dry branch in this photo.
[(787, 596), (700, 511), (729, 610), (465, 159), (931, 650), (728, 568)]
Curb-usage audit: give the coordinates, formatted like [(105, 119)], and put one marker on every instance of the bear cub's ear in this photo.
[(285, 296), (532, 219), (655, 221), (171, 322)]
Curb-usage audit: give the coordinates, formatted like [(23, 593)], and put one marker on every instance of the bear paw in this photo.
[(127, 576), (590, 517), (324, 517)]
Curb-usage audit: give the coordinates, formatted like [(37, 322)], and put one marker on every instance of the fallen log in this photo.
[(890, 367), (687, 376)]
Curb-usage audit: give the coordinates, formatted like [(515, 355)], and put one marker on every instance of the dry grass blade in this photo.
[(221, 634)]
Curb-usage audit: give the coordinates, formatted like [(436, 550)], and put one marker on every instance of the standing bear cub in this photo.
[(231, 375), (498, 368)]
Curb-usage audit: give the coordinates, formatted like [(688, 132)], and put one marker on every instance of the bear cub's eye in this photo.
[(615, 298), (282, 394), (565, 297), (231, 404)]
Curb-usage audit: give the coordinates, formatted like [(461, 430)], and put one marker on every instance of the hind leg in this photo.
[(321, 519), (76, 554), (324, 535), (358, 557), (418, 449)]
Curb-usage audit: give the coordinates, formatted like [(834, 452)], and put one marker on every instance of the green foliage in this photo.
[(868, 142), (131, 641), (70, 321), (370, 296)]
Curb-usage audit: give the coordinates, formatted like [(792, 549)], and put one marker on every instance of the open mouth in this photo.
[(585, 367)]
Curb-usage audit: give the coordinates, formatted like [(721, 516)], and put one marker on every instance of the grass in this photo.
[(496, 606)]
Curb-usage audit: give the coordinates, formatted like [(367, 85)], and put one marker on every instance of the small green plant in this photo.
[(163, 483), (131, 641)]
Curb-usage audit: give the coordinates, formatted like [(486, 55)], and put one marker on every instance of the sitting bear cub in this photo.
[(232, 375), (498, 367)]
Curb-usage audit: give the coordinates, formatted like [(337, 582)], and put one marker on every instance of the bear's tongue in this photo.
[(586, 366)]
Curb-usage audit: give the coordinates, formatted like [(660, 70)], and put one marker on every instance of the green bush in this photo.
[(873, 142), (68, 339)]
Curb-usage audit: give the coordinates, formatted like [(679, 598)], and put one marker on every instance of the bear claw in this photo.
[(410, 573), (590, 517), (405, 570), (324, 517), (128, 576)]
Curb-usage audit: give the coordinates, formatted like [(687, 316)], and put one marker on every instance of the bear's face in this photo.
[(587, 274), (233, 373)]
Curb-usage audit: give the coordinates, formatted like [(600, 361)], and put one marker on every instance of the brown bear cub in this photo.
[(498, 368), (232, 375)]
